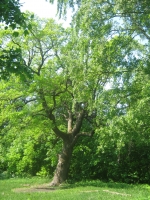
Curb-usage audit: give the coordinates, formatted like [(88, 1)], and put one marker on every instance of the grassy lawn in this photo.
[(38, 189)]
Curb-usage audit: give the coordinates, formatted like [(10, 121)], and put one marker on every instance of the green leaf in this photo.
[(26, 32), (29, 26), (32, 16), (15, 34)]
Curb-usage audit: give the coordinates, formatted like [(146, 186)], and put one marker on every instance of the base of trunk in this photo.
[(62, 169)]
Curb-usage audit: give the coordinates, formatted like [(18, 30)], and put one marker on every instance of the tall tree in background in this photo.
[(11, 60), (135, 14)]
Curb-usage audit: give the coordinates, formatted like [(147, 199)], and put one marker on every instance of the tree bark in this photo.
[(62, 169)]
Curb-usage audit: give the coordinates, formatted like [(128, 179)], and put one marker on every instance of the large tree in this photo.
[(56, 92), (70, 71)]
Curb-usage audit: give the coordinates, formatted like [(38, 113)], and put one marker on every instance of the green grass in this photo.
[(89, 190)]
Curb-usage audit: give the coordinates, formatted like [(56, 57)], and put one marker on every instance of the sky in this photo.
[(44, 10)]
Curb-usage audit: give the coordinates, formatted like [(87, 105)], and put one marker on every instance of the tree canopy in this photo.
[(87, 100)]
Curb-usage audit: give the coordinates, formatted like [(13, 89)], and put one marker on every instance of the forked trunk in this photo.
[(74, 125), (62, 169), (69, 140)]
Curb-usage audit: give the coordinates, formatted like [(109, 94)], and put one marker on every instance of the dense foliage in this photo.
[(11, 60), (10, 13), (89, 93)]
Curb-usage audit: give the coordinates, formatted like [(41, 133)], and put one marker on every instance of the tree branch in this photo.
[(78, 123), (88, 134), (50, 115), (69, 121)]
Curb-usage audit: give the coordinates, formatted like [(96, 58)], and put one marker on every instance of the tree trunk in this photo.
[(69, 140), (62, 169)]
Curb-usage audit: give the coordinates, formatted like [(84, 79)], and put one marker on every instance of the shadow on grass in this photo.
[(97, 183), (27, 185), (65, 186)]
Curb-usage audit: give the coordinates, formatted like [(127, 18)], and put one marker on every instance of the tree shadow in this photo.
[(90, 185), (97, 183)]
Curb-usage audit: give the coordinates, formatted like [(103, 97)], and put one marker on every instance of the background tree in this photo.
[(135, 15), (10, 13), (11, 58)]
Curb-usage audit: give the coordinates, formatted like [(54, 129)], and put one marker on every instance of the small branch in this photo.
[(30, 100), (87, 133), (31, 56), (16, 43), (82, 134), (39, 114), (144, 33), (129, 13)]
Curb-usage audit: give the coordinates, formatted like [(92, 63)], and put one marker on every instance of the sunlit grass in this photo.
[(33, 189)]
